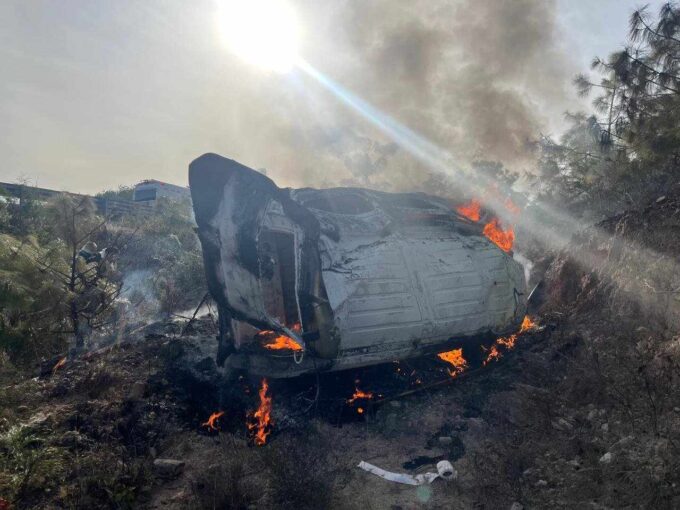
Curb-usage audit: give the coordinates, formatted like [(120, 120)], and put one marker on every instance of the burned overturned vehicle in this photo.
[(317, 280)]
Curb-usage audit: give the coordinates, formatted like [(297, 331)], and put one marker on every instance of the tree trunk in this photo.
[(75, 315)]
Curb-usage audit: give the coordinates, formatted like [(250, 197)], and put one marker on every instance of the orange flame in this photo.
[(261, 421), (211, 424), (508, 342), (501, 238), (494, 355), (471, 210), (456, 359), (283, 342), (58, 365), (359, 394), (279, 342)]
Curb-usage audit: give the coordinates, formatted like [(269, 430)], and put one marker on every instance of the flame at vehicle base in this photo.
[(359, 395), (276, 342), (508, 343), (456, 359)]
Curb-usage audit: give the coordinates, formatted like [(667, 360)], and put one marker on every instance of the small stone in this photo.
[(137, 390), (575, 463), (23, 409), (445, 440), (676, 409), (391, 423), (179, 497), (541, 483), (562, 424), (517, 506), (661, 199), (72, 438), (606, 458), (592, 415), (168, 468), (38, 419), (623, 442), (605, 427)]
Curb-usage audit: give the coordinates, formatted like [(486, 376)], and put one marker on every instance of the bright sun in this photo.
[(261, 32)]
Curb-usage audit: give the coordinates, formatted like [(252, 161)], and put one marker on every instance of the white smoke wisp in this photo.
[(138, 297)]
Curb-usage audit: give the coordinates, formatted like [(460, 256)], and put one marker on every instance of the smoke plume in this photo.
[(139, 89), (478, 78)]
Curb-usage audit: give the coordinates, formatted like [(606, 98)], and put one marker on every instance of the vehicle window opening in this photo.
[(277, 262)]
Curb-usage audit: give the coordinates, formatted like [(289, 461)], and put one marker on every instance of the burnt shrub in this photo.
[(230, 479), (303, 470)]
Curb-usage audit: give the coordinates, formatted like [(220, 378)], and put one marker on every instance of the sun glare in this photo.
[(261, 32)]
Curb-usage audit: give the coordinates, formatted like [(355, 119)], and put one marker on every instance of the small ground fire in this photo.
[(456, 359), (508, 343), (359, 395), (211, 424), (259, 421)]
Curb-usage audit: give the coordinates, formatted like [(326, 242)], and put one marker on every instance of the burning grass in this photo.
[(212, 422), (259, 421), (508, 343), (359, 395)]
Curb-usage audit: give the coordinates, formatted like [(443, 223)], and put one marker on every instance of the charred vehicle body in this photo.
[(331, 279)]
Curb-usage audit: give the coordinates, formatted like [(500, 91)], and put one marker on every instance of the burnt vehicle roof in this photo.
[(371, 211)]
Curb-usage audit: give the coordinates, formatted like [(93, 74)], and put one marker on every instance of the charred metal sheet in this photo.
[(355, 276)]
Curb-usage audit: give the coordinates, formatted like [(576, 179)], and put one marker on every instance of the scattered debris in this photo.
[(445, 471), (606, 458)]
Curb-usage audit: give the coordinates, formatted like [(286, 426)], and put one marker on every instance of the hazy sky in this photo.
[(99, 93)]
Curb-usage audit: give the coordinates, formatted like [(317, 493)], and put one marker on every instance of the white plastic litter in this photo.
[(445, 471)]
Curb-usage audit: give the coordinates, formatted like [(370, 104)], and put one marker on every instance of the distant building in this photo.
[(149, 190), (17, 193)]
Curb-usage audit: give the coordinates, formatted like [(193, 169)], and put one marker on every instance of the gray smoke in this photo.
[(139, 89), (478, 78)]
